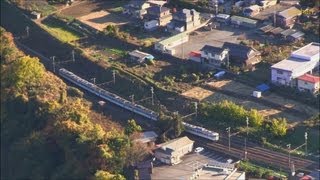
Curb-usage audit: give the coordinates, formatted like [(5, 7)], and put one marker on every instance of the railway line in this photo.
[(257, 154)]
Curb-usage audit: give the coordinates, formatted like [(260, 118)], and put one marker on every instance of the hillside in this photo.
[(47, 130)]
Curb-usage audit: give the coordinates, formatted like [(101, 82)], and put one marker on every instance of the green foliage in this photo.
[(24, 72), (255, 119), (278, 127), (178, 127), (132, 127), (74, 92), (111, 30), (255, 171), (104, 175), (8, 51)]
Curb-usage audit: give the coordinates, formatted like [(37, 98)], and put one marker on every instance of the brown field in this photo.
[(197, 93), (100, 19)]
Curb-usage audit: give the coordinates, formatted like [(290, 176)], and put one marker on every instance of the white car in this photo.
[(198, 149)]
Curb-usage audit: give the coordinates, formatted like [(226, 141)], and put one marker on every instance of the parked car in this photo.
[(198, 149)]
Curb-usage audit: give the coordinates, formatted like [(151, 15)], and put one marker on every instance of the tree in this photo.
[(105, 175), (278, 127), (177, 125), (132, 127), (255, 118)]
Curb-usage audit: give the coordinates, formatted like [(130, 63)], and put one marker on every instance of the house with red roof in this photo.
[(308, 82)]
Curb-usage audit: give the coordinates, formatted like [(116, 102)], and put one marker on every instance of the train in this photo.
[(138, 109), (200, 131), (108, 96)]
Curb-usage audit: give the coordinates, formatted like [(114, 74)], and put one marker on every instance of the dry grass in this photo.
[(197, 93)]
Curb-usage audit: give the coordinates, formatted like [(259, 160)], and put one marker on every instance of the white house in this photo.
[(309, 83), (214, 56), (172, 151), (300, 62)]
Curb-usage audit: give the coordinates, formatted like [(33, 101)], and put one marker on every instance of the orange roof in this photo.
[(195, 54), (309, 78)]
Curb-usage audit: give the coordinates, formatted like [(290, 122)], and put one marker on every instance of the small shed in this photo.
[(147, 137), (140, 56), (296, 36), (287, 32), (223, 18), (266, 29), (276, 31), (35, 15)]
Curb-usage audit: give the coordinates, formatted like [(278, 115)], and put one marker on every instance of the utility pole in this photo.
[(94, 80), (114, 76), (245, 139), (132, 98), (196, 108), (53, 63), (152, 92), (289, 147), (73, 59), (306, 142), (228, 129), (27, 30)]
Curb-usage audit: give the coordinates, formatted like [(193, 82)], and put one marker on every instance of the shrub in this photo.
[(74, 92), (278, 127)]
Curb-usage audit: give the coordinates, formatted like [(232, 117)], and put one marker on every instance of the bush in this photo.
[(278, 127), (74, 92)]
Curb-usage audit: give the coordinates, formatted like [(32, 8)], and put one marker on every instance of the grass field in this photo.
[(60, 30)]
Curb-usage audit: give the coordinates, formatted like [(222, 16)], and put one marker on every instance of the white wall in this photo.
[(303, 85), (283, 78)]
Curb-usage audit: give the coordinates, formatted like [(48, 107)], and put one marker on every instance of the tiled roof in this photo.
[(157, 9), (238, 50), (212, 49), (309, 78), (175, 144)]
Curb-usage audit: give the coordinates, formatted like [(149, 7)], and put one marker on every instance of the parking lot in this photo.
[(189, 163), (215, 37)]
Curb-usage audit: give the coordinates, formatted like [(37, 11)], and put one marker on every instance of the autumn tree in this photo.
[(278, 127), (132, 127)]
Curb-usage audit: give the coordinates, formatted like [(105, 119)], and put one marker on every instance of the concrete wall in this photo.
[(280, 77), (303, 86)]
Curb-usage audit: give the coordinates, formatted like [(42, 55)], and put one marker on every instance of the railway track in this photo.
[(257, 154)]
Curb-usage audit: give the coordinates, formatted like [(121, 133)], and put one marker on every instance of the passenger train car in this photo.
[(196, 130), (199, 131), (108, 96)]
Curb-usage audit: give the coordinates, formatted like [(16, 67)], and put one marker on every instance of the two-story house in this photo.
[(214, 56), (185, 19), (300, 62), (242, 55), (309, 83), (136, 8), (287, 18), (159, 13), (172, 151)]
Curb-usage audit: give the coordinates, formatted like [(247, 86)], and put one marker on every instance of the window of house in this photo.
[(279, 72), (306, 83)]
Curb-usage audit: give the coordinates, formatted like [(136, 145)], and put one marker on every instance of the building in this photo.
[(195, 56), (301, 61), (242, 55), (184, 20), (287, 18), (223, 18), (251, 10), (148, 137), (159, 13), (172, 151), (308, 83), (139, 56), (136, 8), (35, 15), (286, 33), (238, 21), (214, 56), (167, 45), (297, 36)]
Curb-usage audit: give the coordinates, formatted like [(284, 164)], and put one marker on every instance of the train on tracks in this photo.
[(138, 109)]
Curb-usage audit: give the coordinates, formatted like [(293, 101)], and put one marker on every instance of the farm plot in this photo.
[(100, 19), (242, 89), (197, 93)]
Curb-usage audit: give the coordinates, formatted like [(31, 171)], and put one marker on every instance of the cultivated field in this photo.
[(100, 19), (197, 93)]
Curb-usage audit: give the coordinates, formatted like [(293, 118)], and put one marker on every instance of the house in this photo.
[(242, 55), (159, 13), (136, 8), (266, 29), (276, 31), (287, 18), (139, 56), (268, 3), (238, 21), (223, 18), (309, 83), (195, 56), (167, 45), (35, 15), (251, 10), (147, 137), (300, 62), (172, 151), (185, 20), (214, 56)]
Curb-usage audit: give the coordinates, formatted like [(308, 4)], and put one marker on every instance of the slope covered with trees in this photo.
[(48, 134)]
